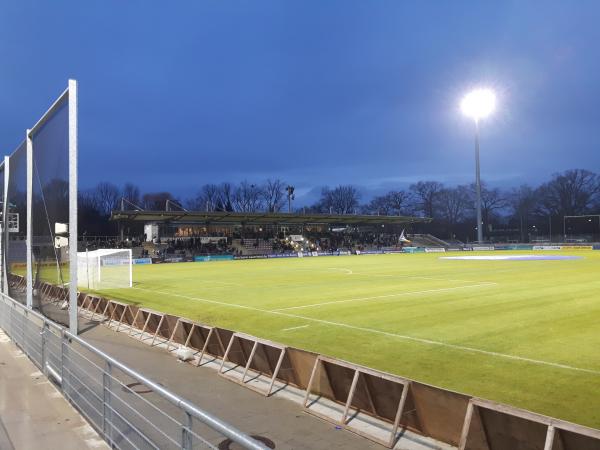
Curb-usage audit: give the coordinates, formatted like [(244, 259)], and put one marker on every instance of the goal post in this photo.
[(105, 269)]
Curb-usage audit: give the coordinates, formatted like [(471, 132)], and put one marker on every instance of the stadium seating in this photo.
[(427, 240), (254, 246)]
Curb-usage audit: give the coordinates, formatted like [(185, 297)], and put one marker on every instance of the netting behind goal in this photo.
[(38, 236), (104, 269)]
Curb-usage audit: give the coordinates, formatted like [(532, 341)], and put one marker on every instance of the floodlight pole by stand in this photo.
[(478, 184), (290, 196)]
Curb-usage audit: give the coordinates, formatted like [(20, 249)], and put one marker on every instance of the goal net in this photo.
[(105, 269)]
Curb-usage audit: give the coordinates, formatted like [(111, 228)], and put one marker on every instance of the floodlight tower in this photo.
[(478, 104), (290, 195)]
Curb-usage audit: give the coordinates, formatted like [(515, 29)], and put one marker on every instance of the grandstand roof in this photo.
[(226, 217)]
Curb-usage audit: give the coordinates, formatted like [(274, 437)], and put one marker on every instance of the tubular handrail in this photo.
[(206, 418)]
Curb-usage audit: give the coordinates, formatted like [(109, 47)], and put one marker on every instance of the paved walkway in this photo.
[(33, 413), (278, 419)]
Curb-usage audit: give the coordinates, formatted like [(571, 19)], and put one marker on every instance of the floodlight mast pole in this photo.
[(478, 184), (478, 104)]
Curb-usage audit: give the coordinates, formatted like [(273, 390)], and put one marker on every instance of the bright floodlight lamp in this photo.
[(478, 104)]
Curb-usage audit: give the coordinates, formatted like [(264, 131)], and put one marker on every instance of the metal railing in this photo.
[(127, 409)]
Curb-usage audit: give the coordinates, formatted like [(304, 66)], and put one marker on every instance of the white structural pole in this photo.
[(130, 268), (478, 185), (73, 206), (2, 228), (477, 105), (5, 225), (29, 229), (87, 266)]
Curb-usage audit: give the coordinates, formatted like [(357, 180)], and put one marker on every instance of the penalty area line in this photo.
[(341, 269), (377, 297), (385, 333), (295, 328)]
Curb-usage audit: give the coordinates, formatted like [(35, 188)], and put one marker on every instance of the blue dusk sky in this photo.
[(173, 95)]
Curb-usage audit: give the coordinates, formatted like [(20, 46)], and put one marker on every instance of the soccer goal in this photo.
[(105, 269)]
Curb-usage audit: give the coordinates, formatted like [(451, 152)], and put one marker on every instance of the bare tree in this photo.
[(425, 195), (378, 205), (131, 193), (207, 198), (492, 200), (392, 203), (273, 194), (56, 191), (523, 202), (247, 197), (107, 197), (157, 201), (453, 204), (88, 199), (569, 193), (399, 201), (225, 197), (340, 200), (91, 221)]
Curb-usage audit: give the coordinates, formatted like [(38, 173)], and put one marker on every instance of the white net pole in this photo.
[(87, 267), (130, 268)]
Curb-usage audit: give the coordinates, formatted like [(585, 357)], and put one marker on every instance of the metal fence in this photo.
[(128, 410)]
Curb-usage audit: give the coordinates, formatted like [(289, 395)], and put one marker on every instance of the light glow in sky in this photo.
[(478, 104)]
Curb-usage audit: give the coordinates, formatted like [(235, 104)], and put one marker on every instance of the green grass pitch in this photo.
[(526, 333)]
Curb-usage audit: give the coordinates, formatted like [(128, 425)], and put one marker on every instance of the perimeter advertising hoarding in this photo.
[(142, 260), (213, 258), (413, 250), (547, 247)]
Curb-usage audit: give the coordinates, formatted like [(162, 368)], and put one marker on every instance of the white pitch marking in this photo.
[(385, 333), (374, 275), (399, 294), (295, 328), (224, 283), (217, 282), (187, 297), (447, 345), (416, 277), (348, 271)]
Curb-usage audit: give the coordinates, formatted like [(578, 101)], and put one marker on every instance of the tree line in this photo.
[(520, 210)]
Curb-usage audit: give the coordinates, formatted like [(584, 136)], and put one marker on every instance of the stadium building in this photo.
[(195, 233)]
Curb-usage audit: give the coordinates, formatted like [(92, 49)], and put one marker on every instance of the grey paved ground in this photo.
[(33, 414), (280, 420)]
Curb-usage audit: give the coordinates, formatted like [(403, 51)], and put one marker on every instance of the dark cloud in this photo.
[(317, 93)]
